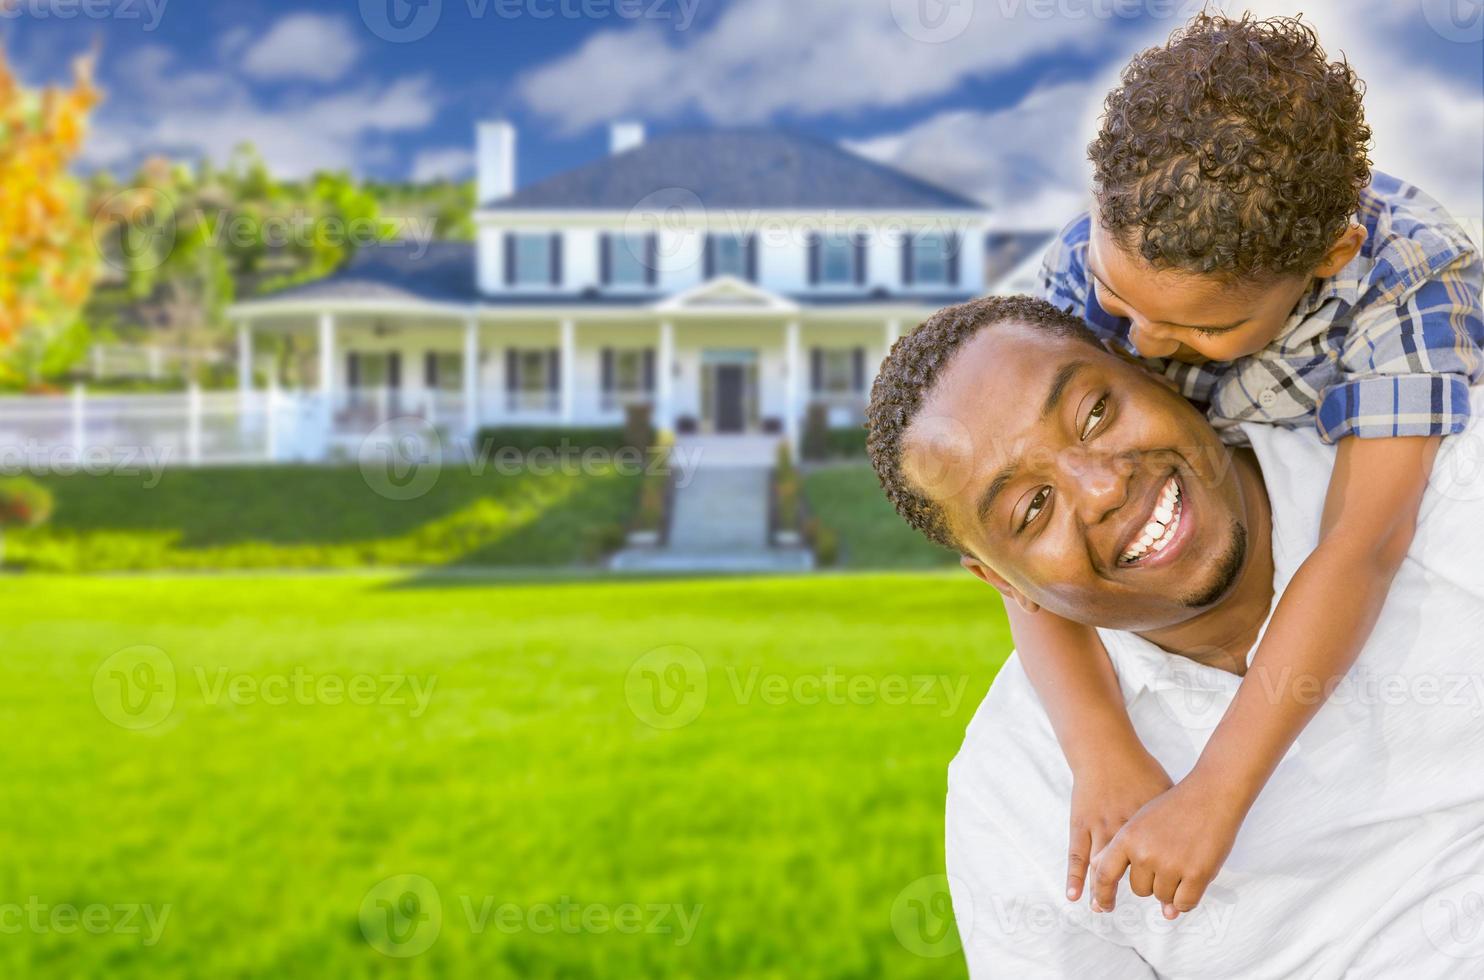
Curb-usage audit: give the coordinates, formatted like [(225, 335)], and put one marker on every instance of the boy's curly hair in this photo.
[(1237, 150), (908, 374)]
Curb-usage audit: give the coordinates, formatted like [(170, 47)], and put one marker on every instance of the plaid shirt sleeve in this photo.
[(1064, 269), (1407, 366)]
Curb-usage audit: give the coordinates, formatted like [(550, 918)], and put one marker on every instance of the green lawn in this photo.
[(848, 499), (560, 831), (297, 516)]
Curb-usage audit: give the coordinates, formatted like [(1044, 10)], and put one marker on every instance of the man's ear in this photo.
[(989, 576), (1341, 252)]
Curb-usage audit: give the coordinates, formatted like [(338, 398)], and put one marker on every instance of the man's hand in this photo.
[(1171, 849), (1103, 800)]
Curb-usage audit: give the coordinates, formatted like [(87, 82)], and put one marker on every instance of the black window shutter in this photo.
[(430, 369), (554, 369), (649, 369), (605, 258), (752, 258), (858, 369), (950, 242), (510, 258), (651, 259), (708, 261), (394, 369), (907, 259), (512, 369), (816, 369), (352, 370), (556, 260), (814, 247), (607, 370), (860, 260)]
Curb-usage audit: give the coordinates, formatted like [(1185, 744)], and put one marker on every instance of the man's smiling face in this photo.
[(1078, 481)]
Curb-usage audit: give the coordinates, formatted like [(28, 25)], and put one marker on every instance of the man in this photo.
[(1002, 429)]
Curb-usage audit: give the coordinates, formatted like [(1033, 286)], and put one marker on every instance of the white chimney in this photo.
[(495, 148), (625, 136)]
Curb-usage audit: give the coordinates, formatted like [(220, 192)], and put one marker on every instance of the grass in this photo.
[(785, 820), (295, 517), (848, 499)]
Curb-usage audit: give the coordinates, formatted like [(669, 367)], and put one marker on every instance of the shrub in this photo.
[(637, 428), (600, 540), (24, 503), (849, 443), (654, 496), (786, 490), (815, 444)]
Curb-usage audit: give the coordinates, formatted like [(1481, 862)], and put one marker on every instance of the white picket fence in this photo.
[(84, 432)]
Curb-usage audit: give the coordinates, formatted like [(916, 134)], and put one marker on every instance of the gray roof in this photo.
[(429, 272), (763, 168)]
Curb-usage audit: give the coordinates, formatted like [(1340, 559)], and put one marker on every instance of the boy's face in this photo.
[(1182, 315)]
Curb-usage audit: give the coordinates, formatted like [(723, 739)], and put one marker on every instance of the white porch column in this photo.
[(326, 378), (326, 353), (244, 357), (568, 374), (471, 376), (893, 331), (664, 379), (795, 367)]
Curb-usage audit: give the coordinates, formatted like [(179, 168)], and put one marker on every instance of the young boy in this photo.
[(1240, 244)]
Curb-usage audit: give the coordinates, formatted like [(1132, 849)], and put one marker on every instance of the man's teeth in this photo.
[(1160, 530)]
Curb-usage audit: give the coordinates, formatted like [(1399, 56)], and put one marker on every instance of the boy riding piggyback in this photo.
[(1241, 245)]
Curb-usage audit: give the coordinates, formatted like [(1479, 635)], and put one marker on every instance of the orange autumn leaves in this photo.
[(47, 257)]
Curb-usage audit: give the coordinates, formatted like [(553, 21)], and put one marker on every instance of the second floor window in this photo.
[(533, 259), (731, 255), (930, 259), (836, 260), (628, 260)]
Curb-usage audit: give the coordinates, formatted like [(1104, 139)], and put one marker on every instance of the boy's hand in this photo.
[(1103, 799), (1171, 849)]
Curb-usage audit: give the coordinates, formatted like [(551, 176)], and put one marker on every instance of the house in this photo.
[(728, 279)]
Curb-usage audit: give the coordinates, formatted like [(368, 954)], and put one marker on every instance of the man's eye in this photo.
[(1037, 503), (1094, 417)]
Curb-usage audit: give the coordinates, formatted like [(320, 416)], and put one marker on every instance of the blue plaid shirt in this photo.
[(1387, 347)]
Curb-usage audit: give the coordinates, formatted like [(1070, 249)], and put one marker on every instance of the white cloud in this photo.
[(168, 109), (1029, 161), (313, 46), (766, 57), (445, 163)]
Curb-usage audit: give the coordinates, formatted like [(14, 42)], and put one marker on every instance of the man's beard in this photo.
[(1228, 570)]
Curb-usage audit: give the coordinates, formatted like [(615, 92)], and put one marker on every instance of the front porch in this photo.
[(704, 366)]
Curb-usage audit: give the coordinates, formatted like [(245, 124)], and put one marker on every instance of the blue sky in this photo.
[(994, 97)]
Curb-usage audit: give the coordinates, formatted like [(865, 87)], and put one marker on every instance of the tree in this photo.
[(47, 257)]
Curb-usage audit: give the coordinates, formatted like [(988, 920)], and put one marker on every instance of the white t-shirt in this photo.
[(1364, 855)]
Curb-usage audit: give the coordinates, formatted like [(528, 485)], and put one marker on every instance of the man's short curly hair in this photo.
[(1236, 150), (907, 377)]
